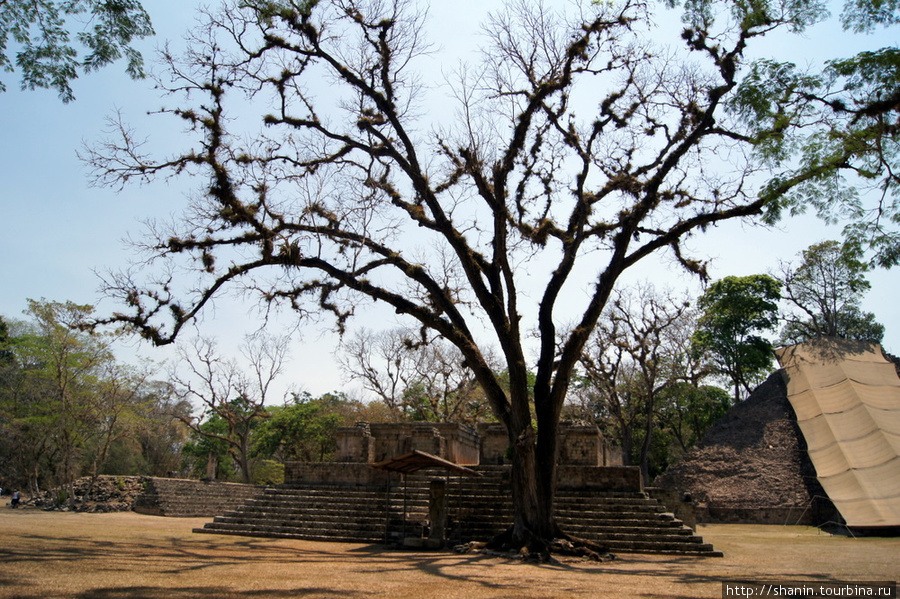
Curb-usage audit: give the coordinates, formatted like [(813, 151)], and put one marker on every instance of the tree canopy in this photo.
[(825, 290), (50, 50), (583, 143), (735, 311), (69, 409), (830, 135)]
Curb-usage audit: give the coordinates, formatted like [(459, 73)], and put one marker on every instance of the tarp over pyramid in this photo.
[(846, 396)]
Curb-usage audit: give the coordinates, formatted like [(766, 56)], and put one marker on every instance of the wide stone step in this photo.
[(703, 549), (315, 511), (569, 499), (650, 537), (337, 504), (624, 522), (609, 509), (658, 518), (583, 527), (290, 533), (326, 520), (614, 524), (345, 528)]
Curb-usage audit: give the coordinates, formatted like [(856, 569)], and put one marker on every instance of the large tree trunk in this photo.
[(533, 481), (627, 444), (535, 532), (648, 439), (533, 489), (243, 458)]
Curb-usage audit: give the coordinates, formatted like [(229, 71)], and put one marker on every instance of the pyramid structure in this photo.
[(817, 442), (752, 466)]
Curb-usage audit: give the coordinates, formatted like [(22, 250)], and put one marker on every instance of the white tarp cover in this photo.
[(847, 399)]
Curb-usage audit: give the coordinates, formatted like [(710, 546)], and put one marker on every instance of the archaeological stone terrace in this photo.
[(430, 484)]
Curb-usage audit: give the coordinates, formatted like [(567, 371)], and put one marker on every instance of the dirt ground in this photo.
[(127, 555)]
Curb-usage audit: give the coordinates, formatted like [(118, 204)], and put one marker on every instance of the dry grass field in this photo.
[(126, 555)]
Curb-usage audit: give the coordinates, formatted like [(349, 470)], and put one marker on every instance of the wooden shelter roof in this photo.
[(417, 460)]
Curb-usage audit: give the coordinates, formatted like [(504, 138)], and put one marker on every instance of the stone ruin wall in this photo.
[(578, 446), (370, 443), (586, 460)]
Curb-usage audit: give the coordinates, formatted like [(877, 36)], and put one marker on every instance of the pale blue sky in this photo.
[(58, 230)]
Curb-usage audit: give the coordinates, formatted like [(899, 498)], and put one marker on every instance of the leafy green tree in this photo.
[(27, 428), (584, 143), (162, 434), (6, 355), (734, 313), (689, 410), (830, 137), (50, 51), (68, 408), (302, 430), (119, 409), (209, 453), (63, 365), (825, 290)]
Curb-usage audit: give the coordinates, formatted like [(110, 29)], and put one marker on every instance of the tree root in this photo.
[(538, 550)]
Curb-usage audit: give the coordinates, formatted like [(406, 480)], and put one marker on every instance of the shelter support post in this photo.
[(437, 510)]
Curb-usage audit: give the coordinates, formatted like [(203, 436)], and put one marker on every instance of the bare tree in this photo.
[(581, 148), (378, 361), (639, 348), (225, 390), (421, 378)]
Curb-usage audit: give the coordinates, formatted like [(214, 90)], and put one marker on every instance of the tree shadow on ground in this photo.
[(635, 570), (178, 559), (191, 592)]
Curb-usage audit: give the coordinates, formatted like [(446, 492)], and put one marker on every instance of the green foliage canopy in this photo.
[(302, 430), (49, 54), (734, 311), (68, 408), (830, 137)]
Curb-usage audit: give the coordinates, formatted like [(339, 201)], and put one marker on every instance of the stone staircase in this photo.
[(191, 498), (478, 509)]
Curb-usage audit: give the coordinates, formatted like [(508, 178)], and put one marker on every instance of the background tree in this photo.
[(162, 434), (735, 310), (688, 411), (46, 55), (68, 408), (585, 143), (825, 290), (633, 356), (208, 453), (63, 368), (27, 418), (381, 362), (6, 355), (119, 410), (305, 428), (420, 378), (232, 400)]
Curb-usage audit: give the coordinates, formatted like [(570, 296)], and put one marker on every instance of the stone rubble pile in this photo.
[(107, 494)]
